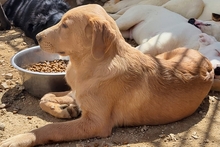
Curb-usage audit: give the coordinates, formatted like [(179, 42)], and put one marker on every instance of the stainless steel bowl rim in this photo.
[(32, 72)]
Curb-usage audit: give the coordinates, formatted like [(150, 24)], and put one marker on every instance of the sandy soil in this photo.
[(20, 112)]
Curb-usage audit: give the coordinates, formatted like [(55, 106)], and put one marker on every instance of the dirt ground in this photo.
[(20, 112)]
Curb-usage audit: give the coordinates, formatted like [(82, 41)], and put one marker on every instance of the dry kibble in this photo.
[(54, 66)]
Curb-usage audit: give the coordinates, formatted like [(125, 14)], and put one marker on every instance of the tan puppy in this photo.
[(115, 84)]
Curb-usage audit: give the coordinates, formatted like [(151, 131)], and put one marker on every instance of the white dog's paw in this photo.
[(205, 39), (115, 16), (110, 9), (111, 6), (22, 140)]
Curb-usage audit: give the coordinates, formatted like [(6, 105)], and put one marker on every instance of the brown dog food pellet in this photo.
[(54, 66)]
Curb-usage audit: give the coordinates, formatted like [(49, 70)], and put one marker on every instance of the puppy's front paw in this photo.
[(73, 110), (22, 140), (60, 110), (49, 97), (205, 39)]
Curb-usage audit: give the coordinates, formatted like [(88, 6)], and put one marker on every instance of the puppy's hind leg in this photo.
[(147, 48), (158, 44), (129, 19), (60, 104)]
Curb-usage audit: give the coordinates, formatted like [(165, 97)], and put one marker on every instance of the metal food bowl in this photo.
[(39, 83)]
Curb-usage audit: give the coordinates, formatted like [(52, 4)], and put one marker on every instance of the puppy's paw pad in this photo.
[(203, 36), (206, 40), (63, 106), (73, 111)]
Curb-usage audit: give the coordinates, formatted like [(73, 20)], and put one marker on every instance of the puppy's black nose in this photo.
[(38, 38), (217, 71), (192, 21)]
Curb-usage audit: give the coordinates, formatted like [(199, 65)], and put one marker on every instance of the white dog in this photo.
[(185, 8), (210, 48), (158, 30), (113, 6)]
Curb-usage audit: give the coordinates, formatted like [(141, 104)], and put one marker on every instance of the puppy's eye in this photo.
[(64, 25)]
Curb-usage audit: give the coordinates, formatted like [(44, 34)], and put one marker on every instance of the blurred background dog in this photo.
[(33, 16)]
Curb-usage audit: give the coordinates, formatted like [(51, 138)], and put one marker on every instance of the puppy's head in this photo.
[(209, 27), (83, 31), (44, 23)]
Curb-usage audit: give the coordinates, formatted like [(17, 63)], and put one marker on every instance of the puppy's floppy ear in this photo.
[(215, 17), (102, 36)]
